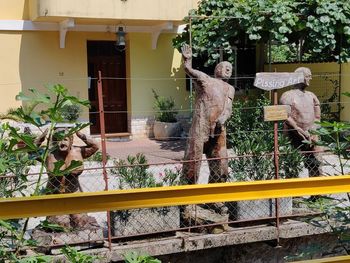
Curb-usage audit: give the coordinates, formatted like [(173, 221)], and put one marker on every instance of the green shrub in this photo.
[(75, 256), (165, 108), (134, 257), (133, 173), (71, 112), (248, 134)]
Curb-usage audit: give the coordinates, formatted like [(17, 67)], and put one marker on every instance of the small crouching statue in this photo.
[(64, 150)]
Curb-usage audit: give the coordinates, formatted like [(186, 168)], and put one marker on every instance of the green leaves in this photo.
[(333, 217), (38, 259), (20, 149), (53, 105), (47, 226), (77, 257), (134, 257), (165, 108), (334, 136), (319, 24), (36, 97), (61, 170), (248, 134), (133, 173)]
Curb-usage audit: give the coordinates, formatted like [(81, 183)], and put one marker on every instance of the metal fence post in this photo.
[(104, 151), (276, 157)]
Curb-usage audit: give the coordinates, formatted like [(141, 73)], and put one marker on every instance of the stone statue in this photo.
[(69, 183), (213, 106), (304, 111)]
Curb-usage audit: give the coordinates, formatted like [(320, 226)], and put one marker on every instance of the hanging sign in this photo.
[(277, 80), (276, 113)]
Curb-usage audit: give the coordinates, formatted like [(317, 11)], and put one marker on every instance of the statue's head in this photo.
[(223, 70), (65, 144), (307, 76)]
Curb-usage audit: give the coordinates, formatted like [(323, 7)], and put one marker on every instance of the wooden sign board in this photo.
[(275, 113), (277, 80)]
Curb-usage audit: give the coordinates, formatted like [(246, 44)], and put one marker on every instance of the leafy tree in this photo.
[(322, 27)]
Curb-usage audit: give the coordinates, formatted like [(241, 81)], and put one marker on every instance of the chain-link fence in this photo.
[(139, 170), (152, 221)]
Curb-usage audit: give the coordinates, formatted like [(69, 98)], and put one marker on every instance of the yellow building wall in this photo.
[(345, 87), (158, 69), (34, 59), (314, 67), (10, 80), (14, 9), (113, 9)]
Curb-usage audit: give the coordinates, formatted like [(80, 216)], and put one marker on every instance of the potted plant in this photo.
[(71, 112), (166, 126), (134, 173)]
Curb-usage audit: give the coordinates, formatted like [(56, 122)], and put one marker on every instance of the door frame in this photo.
[(93, 85)]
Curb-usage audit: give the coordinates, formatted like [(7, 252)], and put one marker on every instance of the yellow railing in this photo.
[(341, 259), (21, 207)]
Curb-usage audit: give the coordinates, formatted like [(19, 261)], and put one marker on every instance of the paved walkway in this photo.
[(155, 151)]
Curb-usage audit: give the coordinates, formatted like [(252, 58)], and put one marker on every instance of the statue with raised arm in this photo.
[(304, 111), (64, 150), (213, 106)]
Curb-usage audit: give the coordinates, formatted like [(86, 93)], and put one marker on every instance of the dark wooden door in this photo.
[(103, 56)]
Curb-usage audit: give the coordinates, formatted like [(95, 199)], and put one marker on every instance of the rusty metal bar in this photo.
[(276, 157), (103, 146)]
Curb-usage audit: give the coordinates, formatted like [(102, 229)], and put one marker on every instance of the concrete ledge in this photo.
[(188, 242)]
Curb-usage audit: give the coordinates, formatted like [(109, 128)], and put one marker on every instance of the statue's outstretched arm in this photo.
[(187, 56), (91, 146)]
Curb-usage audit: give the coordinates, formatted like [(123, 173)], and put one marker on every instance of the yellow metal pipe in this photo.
[(341, 259), (21, 207)]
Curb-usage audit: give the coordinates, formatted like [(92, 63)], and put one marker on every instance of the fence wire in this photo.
[(137, 171), (203, 218)]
